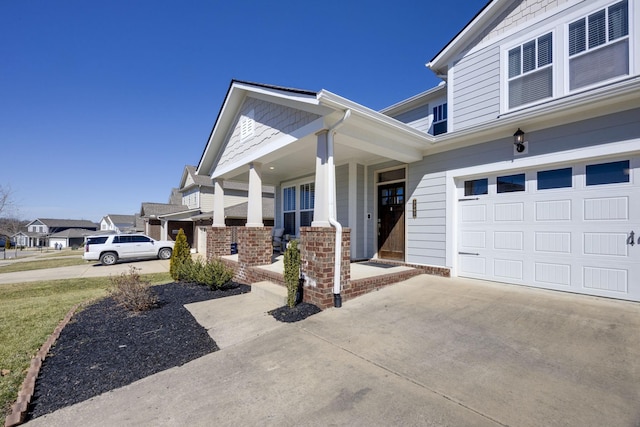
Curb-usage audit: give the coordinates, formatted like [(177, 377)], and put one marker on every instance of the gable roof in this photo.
[(66, 223), (197, 180), (148, 209), (408, 141)]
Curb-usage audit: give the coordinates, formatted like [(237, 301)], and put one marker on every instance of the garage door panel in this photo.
[(472, 265), (473, 213), (557, 242), (553, 274), (508, 269), (606, 279), (606, 209), (474, 240), (509, 212), (508, 240), (607, 244), (553, 210)]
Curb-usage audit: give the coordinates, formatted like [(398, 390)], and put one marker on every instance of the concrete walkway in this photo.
[(428, 351), (85, 270)]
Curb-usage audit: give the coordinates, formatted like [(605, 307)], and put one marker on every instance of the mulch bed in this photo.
[(105, 347)]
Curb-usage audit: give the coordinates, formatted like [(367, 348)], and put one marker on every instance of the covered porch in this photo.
[(339, 171)]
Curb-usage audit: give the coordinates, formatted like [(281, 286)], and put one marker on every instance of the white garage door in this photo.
[(574, 228)]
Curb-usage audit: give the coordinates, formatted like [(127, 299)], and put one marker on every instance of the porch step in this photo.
[(270, 292)]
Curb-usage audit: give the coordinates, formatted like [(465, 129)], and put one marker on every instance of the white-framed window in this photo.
[(247, 125), (439, 119), (289, 209), (599, 46), (298, 201), (530, 71)]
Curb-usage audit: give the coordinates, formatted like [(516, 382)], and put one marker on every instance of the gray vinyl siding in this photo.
[(426, 233), (360, 214), (476, 88), (342, 195), (419, 118)]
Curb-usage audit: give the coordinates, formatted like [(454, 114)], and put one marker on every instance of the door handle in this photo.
[(631, 239)]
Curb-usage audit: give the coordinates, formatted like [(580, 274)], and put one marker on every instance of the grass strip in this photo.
[(40, 264), (29, 312)]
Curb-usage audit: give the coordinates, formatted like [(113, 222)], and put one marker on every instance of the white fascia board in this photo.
[(180, 214), (409, 103), (623, 93), (375, 118)]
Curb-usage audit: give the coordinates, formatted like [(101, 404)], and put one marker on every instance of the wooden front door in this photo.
[(391, 221)]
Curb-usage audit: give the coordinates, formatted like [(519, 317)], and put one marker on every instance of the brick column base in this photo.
[(218, 242), (254, 246), (317, 258)]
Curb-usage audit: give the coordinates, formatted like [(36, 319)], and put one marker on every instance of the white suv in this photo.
[(110, 248)]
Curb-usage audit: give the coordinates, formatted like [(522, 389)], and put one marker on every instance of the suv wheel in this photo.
[(165, 253), (108, 258)]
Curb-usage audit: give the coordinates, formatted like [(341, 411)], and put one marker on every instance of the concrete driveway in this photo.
[(428, 351)]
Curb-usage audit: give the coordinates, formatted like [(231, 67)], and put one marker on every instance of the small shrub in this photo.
[(129, 291), (213, 273), (181, 253), (292, 271)]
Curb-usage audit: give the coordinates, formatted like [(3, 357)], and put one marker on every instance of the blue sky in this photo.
[(103, 103)]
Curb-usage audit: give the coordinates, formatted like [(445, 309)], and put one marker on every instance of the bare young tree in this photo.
[(6, 200)]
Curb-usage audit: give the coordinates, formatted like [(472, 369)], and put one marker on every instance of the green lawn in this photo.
[(29, 312), (40, 264)]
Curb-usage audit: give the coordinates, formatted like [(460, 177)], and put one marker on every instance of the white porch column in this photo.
[(218, 203), (321, 206), (254, 209)]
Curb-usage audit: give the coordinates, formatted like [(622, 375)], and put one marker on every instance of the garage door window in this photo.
[(608, 173), (476, 187), (556, 178), (511, 183)]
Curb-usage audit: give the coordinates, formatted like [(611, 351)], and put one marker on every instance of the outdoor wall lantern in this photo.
[(518, 141)]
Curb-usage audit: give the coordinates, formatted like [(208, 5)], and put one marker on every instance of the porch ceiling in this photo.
[(298, 158)]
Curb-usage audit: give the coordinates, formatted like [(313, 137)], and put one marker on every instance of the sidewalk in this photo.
[(86, 270)]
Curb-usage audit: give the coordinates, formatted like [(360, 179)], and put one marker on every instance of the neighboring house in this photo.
[(119, 223), (150, 222), (523, 167), (39, 230), (70, 238), (196, 194)]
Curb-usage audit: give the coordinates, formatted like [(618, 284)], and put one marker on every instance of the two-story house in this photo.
[(50, 231), (520, 167), (118, 223)]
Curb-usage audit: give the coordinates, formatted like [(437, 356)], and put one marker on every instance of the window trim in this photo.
[(504, 67), (629, 37), (298, 201), (445, 116)]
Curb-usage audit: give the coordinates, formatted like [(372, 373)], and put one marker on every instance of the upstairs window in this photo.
[(599, 46), (440, 119), (530, 71)]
